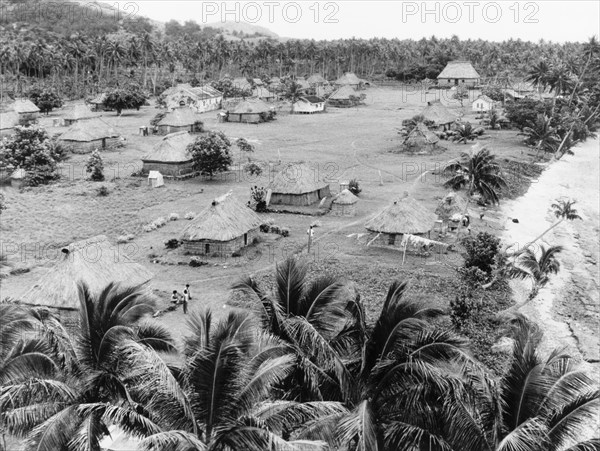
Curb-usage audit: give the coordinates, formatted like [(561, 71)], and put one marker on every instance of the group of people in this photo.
[(183, 299)]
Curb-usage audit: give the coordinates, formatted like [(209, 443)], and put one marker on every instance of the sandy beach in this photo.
[(568, 308)]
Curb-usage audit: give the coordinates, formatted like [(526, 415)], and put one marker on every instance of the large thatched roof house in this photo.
[(26, 111), (224, 227), (263, 93), (252, 111), (420, 139), (436, 112), (94, 261), (298, 184), (349, 79), (458, 73), (77, 113), (86, 136), (404, 216), (200, 99), (179, 120), (316, 80), (344, 204), (345, 97), (170, 156)]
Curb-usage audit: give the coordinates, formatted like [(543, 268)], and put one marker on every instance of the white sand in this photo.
[(568, 307)]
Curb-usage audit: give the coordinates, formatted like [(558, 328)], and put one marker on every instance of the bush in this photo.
[(173, 243), (462, 309), (275, 229), (354, 187), (173, 217), (196, 262), (190, 215), (253, 169), (258, 196), (125, 238), (102, 191), (265, 228), (149, 227), (285, 232), (131, 97), (45, 99), (482, 250), (210, 153), (95, 166), (159, 222)]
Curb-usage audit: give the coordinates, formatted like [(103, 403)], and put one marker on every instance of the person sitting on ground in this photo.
[(175, 297)]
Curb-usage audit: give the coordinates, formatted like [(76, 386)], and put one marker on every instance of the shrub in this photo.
[(173, 243), (265, 228), (253, 169), (462, 309), (102, 191), (159, 222), (95, 166), (285, 232), (258, 197), (244, 145), (130, 97), (45, 99), (196, 262), (149, 227), (481, 251), (190, 215), (275, 229), (173, 217), (125, 238), (210, 153), (354, 187)]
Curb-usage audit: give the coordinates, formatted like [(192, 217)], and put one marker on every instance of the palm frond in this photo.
[(567, 423), (360, 427), (156, 337), (290, 278), (171, 441)]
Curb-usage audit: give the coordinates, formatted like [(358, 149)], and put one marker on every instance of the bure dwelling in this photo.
[(299, 185), (458, 73), (94, 261), (89, 135), (26, 110), (223, 228), (179, 120), (439, 114), (251, 111), (344, 204), (78, 113), (170, 156)]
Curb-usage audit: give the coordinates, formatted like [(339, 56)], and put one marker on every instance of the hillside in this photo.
[(243, 29)]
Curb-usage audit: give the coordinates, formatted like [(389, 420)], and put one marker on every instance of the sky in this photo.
[(556, 21)]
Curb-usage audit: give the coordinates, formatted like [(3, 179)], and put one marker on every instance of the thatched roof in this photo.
[(8, 120), (345, 198), (180, 117), (453, 203), (93, 261), (263, 93), (241, 83), (250, 106), (420, 135), (89, 130), (459, 69), (348, 79), (316, 78), (297, 179), (406, 215), (186, 90), (438, 113), (172, 149), (25, 106), (225, 219), (99, 99), (344, 93), (80, 111), (485, 99), (302, 82)]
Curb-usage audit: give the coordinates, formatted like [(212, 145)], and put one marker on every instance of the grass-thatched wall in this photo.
[(219, 248), (343, 209), (90, 146), (169, 169), (299, 199), (166, 129), (28, 118), (250, 118)]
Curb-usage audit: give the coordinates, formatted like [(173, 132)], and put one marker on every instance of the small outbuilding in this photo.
[(298, 184), (404, 216), (350, 79), (223, 228), (420, 139), (309, 105), (94, 261), (98, 102), (26, 111), (345, 97), (155, 179), (483, 103), (251, 111), (179, 120), (78, 113), (440, 115), (458, 73), (17, 178), (89, 135), (171, 156), (344, 204)]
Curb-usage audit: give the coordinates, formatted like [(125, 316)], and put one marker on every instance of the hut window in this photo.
[(207, 248), (391, 239)]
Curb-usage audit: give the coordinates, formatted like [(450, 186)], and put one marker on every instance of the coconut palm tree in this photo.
[(464, 132), (542, 135), (230, 371), (540, 403), (479, 172), (400, 367), (293, 92), (306, 316), (73, 409), (528, 266)]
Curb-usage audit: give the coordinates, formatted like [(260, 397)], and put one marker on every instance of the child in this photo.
[(187, 288), (175, 297), (186, 297)]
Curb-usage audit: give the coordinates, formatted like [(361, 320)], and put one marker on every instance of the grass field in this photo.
[(360, 143)]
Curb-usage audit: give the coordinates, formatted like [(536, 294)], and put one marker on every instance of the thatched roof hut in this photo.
[(178, 120), (250, 110), (86, 136), (346, 96), (420, 138), (452, 204), (98, 102), (94, 261), (263, 93), (405, 215), (436, 112), (459, 73), (170, 156), (77, 113), (24, 106), (316, 80), (224, 227), (298, 184), (349, 79), (344, 204)]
